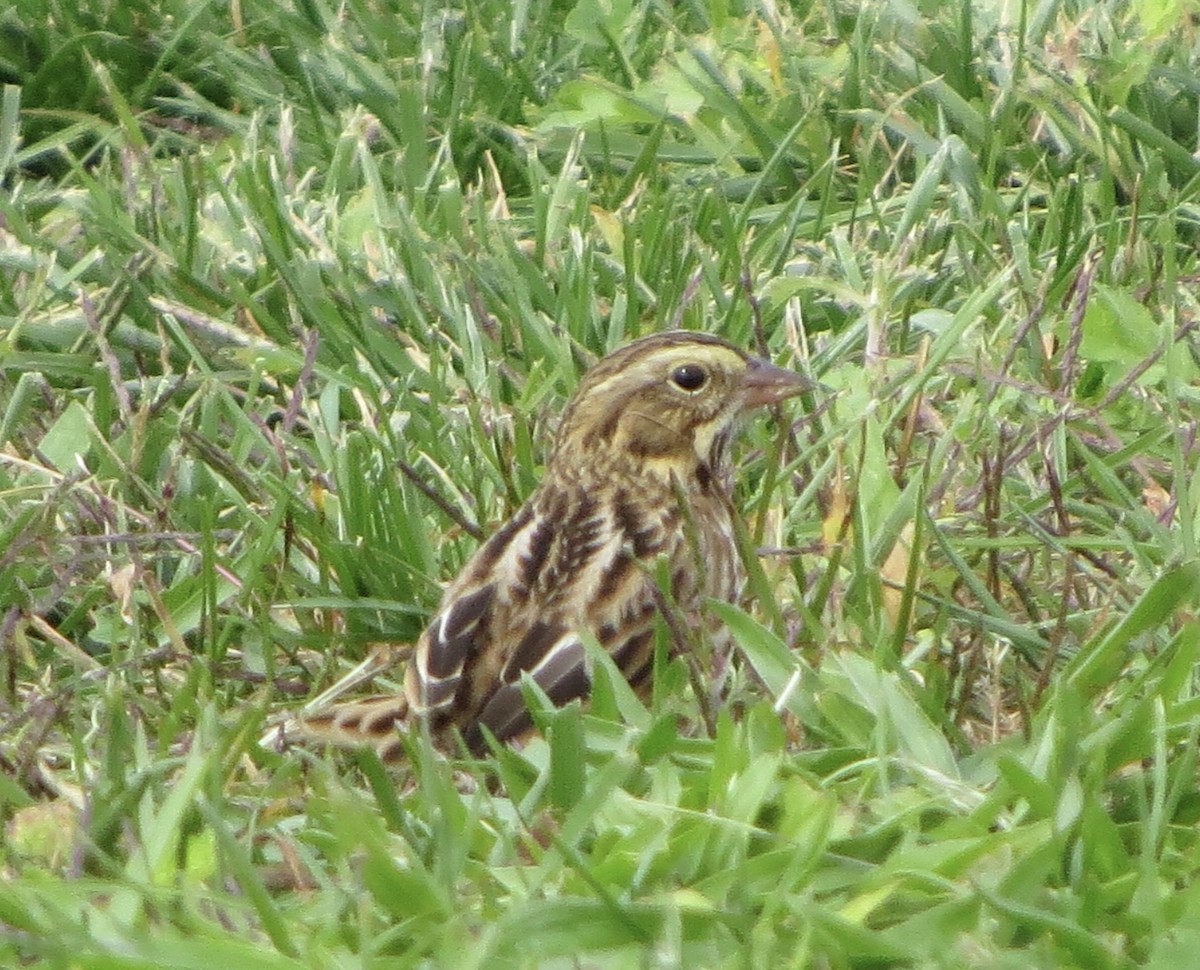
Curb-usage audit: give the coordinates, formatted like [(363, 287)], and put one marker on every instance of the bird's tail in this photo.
[(367, 722)]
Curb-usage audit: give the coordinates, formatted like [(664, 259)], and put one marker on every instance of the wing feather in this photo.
[(564, 564)]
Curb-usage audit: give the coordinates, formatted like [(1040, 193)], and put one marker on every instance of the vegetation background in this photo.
[(290, 294)]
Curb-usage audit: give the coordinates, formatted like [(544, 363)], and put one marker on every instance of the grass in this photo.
[(290, 295)]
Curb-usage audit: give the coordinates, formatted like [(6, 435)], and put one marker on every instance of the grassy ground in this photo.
[(290, 295)]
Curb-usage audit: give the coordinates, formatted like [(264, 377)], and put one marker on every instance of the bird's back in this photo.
[(582, 556)]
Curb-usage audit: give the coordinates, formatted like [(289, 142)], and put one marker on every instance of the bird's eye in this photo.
[(689, 377)]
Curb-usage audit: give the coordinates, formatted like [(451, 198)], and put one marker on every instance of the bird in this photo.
[(632, 522)]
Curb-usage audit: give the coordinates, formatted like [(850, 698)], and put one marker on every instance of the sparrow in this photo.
[(632, 521)]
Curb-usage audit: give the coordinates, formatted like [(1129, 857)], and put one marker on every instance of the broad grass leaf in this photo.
[(1098, 661), (886, 696), (781, 670), (69, 438)]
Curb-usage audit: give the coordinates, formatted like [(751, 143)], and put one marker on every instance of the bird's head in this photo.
[(669, 402)]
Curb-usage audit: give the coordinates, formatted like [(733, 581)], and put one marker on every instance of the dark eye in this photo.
[(689, 377)]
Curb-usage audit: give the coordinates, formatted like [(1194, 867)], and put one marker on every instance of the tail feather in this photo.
[(371, 722)]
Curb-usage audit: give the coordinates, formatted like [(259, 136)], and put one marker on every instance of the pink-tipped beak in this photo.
[(765, 383)]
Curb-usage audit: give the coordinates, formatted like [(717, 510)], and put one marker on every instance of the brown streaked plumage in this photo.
[(639, 475)]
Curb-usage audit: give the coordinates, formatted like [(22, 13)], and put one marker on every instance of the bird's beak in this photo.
[(765, 383)]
